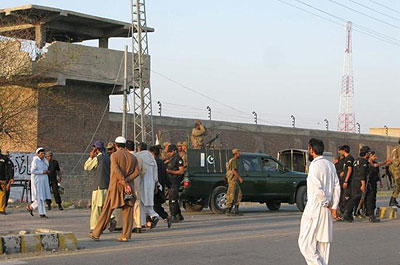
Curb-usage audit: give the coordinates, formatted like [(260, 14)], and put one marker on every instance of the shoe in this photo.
[(228, 211), (49, 207), (122, 239), (60, 207), (169, 221), (137, 230), (180, 216), (3, 213), (30, 209), (393, 202), (347, 217), (236, 212), (93, 237), (113, 225), (175, 219), (43, 216), (154, 221), (373, 219)]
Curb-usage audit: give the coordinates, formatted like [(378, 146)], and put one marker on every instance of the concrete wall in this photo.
[(393, 132)]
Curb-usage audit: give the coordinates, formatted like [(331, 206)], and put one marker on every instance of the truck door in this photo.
[(252, 175), (277, 182)]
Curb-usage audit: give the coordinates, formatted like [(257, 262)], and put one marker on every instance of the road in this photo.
[(257, 237)]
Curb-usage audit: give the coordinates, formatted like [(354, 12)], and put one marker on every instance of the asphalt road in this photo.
[(257, 237)]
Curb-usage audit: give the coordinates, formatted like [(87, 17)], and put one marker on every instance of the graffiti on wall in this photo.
[(22, 165)]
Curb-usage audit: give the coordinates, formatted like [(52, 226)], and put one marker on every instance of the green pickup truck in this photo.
[(266, 180)]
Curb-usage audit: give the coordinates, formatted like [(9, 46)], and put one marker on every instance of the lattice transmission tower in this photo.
[(142, 106), (347, 118)]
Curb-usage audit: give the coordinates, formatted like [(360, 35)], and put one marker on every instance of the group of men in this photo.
[(359, 182), (130, 187)]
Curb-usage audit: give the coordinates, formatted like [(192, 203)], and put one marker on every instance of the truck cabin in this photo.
[(298, 159)]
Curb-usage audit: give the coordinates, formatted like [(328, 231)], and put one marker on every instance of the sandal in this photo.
[(30, 209), (122, 239), (93, 237)]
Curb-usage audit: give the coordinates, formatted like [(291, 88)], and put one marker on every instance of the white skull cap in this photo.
[(39, 149), (120, 140)]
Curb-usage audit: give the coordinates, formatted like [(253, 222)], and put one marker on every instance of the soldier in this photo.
[(164, 152), (234, 194), (5, 176), (395, 170), (197, 135), (182, 154), (358, 182)]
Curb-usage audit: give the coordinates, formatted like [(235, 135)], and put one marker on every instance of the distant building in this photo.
[(393, 132)]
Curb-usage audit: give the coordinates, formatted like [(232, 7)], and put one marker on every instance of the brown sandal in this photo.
[(30, 209), (93, 237), (122, 239)]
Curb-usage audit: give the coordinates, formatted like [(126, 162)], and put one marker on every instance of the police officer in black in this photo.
[(175, 170), (358, 182), (345, 177), (5, 177)]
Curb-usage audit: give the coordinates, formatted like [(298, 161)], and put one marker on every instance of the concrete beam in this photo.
[(103, 43), (16, 27), (78, 30), (40, 36)]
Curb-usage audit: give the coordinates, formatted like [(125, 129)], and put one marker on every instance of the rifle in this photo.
[(213, 139), (362, 200)]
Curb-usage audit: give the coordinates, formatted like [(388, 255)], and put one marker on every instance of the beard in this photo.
[(310, 158)]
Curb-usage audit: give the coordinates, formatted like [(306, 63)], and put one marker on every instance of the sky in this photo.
[(264, 56)]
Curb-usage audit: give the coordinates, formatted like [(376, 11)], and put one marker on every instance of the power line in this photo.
[(374, 10), (364, 14), (363, 30), (382, 5)]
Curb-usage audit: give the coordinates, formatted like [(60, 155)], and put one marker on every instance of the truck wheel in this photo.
[(193, 206), (273, 205), (301, 198), (218, 200)]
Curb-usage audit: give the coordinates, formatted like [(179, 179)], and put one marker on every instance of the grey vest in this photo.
[(102, 173)]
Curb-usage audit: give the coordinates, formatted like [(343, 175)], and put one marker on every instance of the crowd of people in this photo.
[(359, 180)]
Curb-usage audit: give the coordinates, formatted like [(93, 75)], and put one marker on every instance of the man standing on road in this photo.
[(100, 162), (197, 135), (358, 183), (323, 193), (54, 178), (175, 170), (234, 193), (345, 178), (395, 171), (4, 180), (124, 169), (10, 179)]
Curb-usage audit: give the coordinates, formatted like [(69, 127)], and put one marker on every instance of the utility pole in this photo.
[(255, 117), (125, 88), (142, 105), (346, 118)]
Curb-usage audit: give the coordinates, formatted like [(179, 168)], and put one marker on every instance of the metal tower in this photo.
[(143, 113), (347, 119)]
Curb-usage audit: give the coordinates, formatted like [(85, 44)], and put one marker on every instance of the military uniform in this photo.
[(174, 164), (395, 170), (360, 174), (234, 193), (164, 153), (197, 137)]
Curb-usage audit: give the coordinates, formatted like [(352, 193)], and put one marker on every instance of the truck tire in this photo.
[(218, 200), (301, 198), (193, 206), (273, 205)]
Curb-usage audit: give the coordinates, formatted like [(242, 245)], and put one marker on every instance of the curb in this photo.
[(388, 213), (38, 240)]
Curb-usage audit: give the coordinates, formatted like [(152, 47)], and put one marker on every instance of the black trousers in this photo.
[(355, 196), (7, 196), (370, 198), (345, 195), (174, 196), (54, 187), (159, 199)]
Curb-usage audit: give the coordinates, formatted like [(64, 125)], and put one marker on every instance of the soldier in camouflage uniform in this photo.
[(234, 194), (164, 152), (182, 154), (197, 135), (395, 170)]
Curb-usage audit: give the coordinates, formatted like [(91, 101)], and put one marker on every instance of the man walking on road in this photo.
[(323, 192), (54, 178), (124, 169), (395, 170)]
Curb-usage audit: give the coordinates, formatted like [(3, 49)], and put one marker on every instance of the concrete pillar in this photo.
[(103, 43), (40, 36)]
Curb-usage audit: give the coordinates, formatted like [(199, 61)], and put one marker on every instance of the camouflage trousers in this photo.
[(396, 189), (234, 194)]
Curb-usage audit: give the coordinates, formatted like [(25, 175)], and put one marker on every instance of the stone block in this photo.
[(12, 244), (49, 241), (31, 243), (67, 241)]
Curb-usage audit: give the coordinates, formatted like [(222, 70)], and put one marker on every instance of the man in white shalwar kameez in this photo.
[(323, 192), (148, 185), (39, 183)]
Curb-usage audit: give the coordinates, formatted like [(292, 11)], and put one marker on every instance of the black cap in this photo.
[(364, 150), (172, 147)]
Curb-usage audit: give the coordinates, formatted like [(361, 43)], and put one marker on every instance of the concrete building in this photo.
[(392, 132)]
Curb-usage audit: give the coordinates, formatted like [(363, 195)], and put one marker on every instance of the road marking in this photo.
[(15, 262), (109, 249)]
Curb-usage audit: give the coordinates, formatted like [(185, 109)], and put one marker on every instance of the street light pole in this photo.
[(327, 124), (255, 117), (358, 127), (209, 112), (293, 121), (159, 107), (387, 130)]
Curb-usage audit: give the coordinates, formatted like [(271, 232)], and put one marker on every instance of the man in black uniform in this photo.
[(358, 182), (54, 178), (175, 170), (10, 179), (5, 164), (345, 178)]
